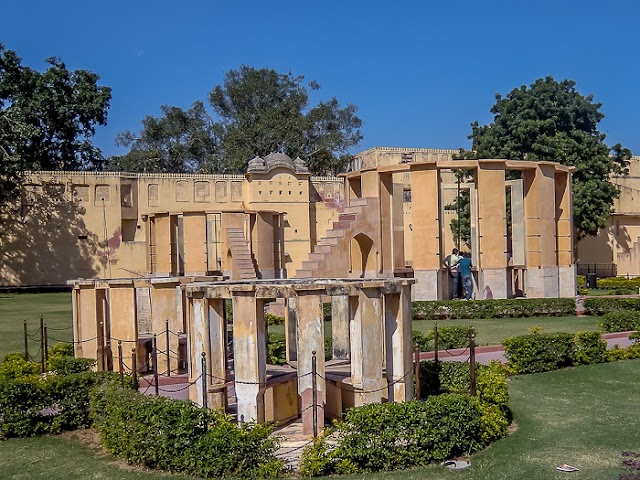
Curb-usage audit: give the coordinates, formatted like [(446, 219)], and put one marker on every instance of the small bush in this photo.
[(510, 308), (15, 366), (177, 436), (601, 306), (589, 348), (276, 349), (274, 319), (539, 352), (448, 338), (620, 321), (390, 436)]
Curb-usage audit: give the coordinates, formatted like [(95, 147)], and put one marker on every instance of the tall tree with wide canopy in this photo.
[(255, 112), (47, 119), (551, 120)]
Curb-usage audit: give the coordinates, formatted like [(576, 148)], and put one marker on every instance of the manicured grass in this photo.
[(491, 331), (16, 307), (62, 458), (584, 416)]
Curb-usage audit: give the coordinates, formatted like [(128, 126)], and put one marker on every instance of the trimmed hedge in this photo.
[(177, 436), (600, 306), (391, 436), (622, 321), (510, 308), (550, 351), (448, 338), (35, 406)]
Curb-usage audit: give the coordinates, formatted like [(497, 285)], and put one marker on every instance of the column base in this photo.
[(542, 282), (567, 280), (495, 279), (427, 286)]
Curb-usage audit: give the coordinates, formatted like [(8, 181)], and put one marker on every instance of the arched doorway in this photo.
[(363, 262)]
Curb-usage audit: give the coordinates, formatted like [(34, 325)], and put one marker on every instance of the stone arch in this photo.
[(363, 261)]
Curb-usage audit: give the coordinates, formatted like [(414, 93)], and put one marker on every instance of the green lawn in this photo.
[(584, 416), (492, 331), (17, 307)]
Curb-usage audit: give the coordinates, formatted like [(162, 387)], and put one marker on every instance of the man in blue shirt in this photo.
[(464, 264)]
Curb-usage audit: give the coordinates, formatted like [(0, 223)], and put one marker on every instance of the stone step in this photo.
[(347, 217), (358, 202), (329, 241), (325, 249), (304, 274), (307, 265), (341, 225), (318, 257), (335, 233), (351, 209)]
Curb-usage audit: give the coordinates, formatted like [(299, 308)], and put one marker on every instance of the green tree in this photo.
[(255, 112), (551, 120), (47, 119), (176, 142)]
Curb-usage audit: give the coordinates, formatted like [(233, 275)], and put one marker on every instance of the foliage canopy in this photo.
[(256, 111), (551, 120), (47, 119)]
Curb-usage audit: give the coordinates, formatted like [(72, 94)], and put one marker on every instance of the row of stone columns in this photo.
[(371, 327)]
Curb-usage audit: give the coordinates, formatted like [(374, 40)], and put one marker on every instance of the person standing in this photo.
[(464, 265), (451, 264)]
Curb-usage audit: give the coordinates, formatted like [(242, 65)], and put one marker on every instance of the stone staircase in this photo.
[(241, 254), (334, 244)]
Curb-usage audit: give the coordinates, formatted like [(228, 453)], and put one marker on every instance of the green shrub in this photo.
[(15, 366), (32, 406), (539, 352), (620, 321), (448, 338), (628, 353), (274, 319), (390, 436), (600, 306), (326, 311), (529, 307), (317, 459), (620, 282), (276, 349), (177, 436), (589, 348)]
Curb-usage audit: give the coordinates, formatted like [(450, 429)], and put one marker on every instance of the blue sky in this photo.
[(419, 71)]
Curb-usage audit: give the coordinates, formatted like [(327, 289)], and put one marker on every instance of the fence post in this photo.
[(134, 368), (204, 380), (314, 391), (416, 369), (435, 343), (46, 343), (120, 363), (26, 341), (472, 361), (166, 324), (155, 363), (42, 343)]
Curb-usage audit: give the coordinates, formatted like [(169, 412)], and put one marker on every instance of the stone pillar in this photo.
[(366, 351), (198, 343), (290, 328), (397, 222), (399, 344), (564, 227), (163, 301), (249, 352), (310, 338), (122, 311), (492, 228), (217, 358), (540, 224), (425, 218), (385, 224), (340, 317)]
